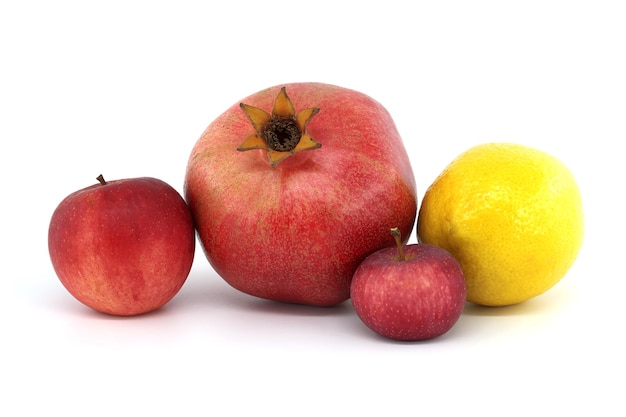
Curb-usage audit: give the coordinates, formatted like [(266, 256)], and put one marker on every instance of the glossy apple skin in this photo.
[(416, 299), (296, 233), (124, 248)]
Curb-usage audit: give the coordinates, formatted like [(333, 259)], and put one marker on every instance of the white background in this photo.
[(125, 88)]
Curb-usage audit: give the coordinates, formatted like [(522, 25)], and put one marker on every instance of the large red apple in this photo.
[(123, 247), (324, 174), (410, 293)]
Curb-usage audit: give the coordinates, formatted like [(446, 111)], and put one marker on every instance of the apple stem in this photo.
[(101, 179), (395, 232)]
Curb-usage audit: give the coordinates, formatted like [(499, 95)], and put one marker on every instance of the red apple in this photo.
[(289, 220), (409, 293), (122, 247)]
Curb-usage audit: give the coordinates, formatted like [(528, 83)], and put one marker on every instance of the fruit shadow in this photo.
[(209, 291), (58, 300), (358, 329), (262, 306), (76, 309), (489, 311), (550, 301)]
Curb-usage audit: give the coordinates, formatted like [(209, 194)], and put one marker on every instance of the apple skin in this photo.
[(419, 298), (123, 248), (296, 233)]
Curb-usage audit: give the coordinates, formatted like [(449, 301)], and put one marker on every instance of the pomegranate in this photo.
[(293, 187)]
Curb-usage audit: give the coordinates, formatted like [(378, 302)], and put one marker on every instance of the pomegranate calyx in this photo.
[(283, 133)]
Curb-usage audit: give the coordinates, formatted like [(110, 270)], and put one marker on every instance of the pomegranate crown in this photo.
[(282, 133)]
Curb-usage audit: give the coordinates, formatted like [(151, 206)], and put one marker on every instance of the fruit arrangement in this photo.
[(304, 193)]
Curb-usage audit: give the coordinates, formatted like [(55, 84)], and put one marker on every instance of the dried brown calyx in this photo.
[(283, 133)]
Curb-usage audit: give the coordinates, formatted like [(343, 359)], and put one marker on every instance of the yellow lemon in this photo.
[(511, 215)]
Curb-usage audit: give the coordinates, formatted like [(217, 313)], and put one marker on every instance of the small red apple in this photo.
[(122, 247), (409, 293), (323, 173)]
